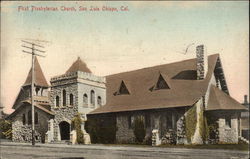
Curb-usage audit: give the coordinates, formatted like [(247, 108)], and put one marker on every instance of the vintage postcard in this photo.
[(124, 80)]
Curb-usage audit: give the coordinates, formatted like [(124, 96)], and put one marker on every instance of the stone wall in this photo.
[(124, 134), (228, 134), (22, 133), (63, 113), (225, 133), (158, 121), (75, 83)]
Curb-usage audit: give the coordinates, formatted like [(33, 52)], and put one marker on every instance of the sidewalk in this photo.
[(140, 148)]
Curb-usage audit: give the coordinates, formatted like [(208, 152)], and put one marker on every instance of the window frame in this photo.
[(92, 97), (57, 104), (228, 121), (85, 99), (64, 96), (71, 99), (24, 119)]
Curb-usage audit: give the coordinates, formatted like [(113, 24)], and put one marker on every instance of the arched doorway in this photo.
[(64, 130)]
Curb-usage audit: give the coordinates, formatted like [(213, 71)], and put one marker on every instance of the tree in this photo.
[(139, 129), (77, 122)]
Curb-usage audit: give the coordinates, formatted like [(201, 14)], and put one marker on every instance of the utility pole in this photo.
[(33, 53)]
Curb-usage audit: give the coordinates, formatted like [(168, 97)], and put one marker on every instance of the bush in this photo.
[(5, 129), (190, 123), (101, 129), (139, 129), (77, 122)]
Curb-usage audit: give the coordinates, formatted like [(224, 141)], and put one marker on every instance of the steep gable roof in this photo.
[(219, 100), (40, 79), (181, 93), (78, 65)]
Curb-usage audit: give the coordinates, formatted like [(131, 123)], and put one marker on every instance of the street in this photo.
[(60, 151)]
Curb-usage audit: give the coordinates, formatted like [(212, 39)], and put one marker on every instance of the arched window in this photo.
[(64, 98), (92, 97), (29, 117), (71, 99), (36, 118), (85, 99), (24, 119), (57, 101), (99, 101)]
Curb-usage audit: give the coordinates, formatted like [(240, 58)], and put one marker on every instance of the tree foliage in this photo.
[(5, 129), (77, 122), (139, 129), (190, 123), (101, 129)]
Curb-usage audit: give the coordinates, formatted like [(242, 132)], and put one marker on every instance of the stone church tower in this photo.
[(21, 117), (76, 91)]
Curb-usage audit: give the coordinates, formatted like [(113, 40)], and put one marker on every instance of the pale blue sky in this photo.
[(150, 33)]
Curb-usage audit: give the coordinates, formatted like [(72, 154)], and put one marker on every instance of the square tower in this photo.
[(76, 91)]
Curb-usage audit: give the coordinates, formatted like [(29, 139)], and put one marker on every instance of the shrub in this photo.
[(139, 129), (77, 122), (5, 129), (101, 129)]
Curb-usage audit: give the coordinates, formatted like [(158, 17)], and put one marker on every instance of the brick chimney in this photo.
[(201, 62)]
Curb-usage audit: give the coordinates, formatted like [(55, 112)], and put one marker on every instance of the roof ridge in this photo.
[(159, 65)]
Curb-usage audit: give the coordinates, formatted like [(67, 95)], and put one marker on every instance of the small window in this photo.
[(169, 121), (57, 101), (131, 121), (24, 119), (71, 99), (36, 118), (29, 117), (37, 90), (123, 90), (161, 83), (228, 121), (99, 101), (85, 99), (148, 121), (64, 98), (92, 97)]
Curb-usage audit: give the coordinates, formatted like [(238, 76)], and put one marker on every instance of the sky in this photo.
[(144, 35)]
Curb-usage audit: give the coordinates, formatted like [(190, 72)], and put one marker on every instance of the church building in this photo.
[(186, 102), (77, 91)]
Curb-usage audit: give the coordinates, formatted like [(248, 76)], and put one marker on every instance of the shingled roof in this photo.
[(40, 79), (218, 100), (182, 92), (43, 107), (78, 65)]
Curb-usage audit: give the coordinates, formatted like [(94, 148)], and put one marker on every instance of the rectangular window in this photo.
[(24, 119), (130, 121), (148, 121), (228, 121), (169, 121), (29, 117)]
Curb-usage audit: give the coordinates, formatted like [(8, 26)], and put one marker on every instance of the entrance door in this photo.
[(64, 130)]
